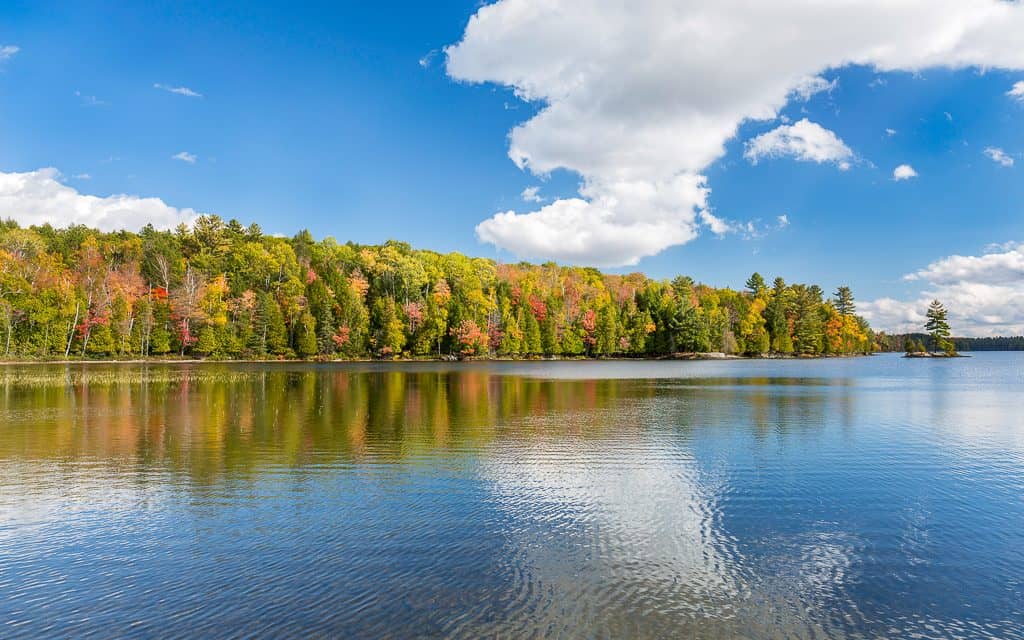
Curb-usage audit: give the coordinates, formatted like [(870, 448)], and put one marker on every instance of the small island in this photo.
[(938, 330)]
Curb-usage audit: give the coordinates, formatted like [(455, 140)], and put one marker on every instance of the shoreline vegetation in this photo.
[(707, 356), (223, 291)]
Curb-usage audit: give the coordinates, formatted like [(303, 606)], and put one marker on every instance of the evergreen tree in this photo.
[(160, 338), (549, 341), (207, 343), (808, 329), (387, 327), (607, 331), (305, 336), (937, 327), (273, 332), (778, 324), (101, 340), (843, 301), (756, 284), (321, 306)]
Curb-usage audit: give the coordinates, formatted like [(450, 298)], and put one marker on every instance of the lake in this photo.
[(836, 498)]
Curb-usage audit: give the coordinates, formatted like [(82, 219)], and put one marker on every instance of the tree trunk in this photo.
[(71, 335)]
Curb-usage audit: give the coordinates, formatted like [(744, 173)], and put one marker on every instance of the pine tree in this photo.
[(778, 324), (808, 329), (844, 301), (756, 284), (937, 327)]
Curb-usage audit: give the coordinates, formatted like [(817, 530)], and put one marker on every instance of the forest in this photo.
[(218, 289), (897, 342)]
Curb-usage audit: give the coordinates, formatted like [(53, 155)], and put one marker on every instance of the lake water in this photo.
[(867, 497)]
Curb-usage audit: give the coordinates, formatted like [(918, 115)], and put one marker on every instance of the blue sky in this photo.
[(349, 121)]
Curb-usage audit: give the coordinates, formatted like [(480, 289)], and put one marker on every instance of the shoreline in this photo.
[(711, 356)]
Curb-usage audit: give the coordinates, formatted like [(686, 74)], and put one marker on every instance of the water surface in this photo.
[(863, 497)]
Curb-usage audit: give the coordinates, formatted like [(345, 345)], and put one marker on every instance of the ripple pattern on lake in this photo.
[(855, 498)]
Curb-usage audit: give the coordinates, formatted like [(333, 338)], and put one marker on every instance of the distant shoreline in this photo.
[(713, 356)]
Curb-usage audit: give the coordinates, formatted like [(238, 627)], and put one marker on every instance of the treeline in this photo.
[(897, 342), (219, 289)]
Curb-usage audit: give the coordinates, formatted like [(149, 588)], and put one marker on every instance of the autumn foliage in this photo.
[(219, 289)]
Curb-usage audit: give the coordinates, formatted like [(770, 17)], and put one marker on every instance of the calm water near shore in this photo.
[(861, 498)]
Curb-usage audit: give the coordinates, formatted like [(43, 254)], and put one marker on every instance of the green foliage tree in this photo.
[(756, 285), (938, 327), (306, 336), (843, 301)]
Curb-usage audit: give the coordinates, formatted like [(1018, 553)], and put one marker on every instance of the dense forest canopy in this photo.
[(220, 289)]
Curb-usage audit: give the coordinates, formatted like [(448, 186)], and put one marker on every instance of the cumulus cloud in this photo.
[(531, 194), (903, 172), (1017, 91), (804, 140), (999, 156), (890, 132), (181, 91), (783, 221), (1004, 266), (641, 97), (984, 294), (7, 52), (39, 197), (610, 225)]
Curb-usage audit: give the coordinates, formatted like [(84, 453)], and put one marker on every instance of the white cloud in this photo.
[(612, 224), (1017, 91), (718, 226), (7, 52), (185, 156), (1005, 265), (531, 194), (181, 91), (783, 221), (903, 172), (809, 86), (38, 197), (428, 58), (890, 132), (647, 93), (984, 294), (804, 140), (81, 176), (999, 156)]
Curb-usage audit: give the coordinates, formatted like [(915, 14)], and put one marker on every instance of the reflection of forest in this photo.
[(211, 420)]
